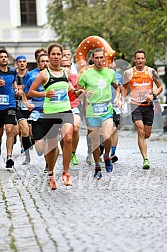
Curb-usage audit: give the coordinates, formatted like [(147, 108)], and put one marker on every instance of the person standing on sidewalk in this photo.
[(140, 79), (97, 82), (57, 112), (8, 88)]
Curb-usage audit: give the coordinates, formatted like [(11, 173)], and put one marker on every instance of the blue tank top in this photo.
[(7, 93), (37, 101)]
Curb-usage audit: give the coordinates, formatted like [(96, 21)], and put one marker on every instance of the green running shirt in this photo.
[(60, 103), (100, 83)]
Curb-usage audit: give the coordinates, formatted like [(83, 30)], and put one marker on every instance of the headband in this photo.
[(20, 57)]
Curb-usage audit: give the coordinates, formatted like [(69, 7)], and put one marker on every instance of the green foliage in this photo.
[(127, 25)]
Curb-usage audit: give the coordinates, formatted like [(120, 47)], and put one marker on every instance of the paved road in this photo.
[(125, 211)]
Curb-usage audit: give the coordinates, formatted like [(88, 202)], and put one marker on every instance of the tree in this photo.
[(127, 25)]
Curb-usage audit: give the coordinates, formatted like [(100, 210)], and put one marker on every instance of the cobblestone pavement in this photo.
[(125, 211)]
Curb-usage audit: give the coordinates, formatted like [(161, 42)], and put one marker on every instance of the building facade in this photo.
[(24, 27)]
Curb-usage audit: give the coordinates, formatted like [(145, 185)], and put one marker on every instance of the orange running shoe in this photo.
[(52, 183), (66, 179)]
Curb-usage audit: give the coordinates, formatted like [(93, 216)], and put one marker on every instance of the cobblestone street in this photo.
[(125, 211)]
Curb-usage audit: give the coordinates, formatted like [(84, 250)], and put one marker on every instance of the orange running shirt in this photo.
[(141, 84)]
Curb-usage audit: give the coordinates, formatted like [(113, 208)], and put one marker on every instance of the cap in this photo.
[(20, 57)]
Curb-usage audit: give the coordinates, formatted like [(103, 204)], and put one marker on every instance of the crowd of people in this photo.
[(43, 107)]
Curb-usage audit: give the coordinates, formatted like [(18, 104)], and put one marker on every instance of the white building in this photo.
[(24, 27)]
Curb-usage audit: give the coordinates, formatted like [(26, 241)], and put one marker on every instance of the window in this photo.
[(28, 12)]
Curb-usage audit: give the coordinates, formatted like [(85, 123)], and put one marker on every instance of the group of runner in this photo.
[(47, 97)]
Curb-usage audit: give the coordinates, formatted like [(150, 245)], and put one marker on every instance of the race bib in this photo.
[(117, 110), (61, 95), (23, 106), (101, 108), (75, 111), (34, 116), (4, 99), (138, 95)]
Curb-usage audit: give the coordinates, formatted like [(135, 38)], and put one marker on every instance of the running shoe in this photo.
[(74, 159), (27, 159), (66, 179), (101, 159), (52, 182), (146, 164), (98, 173), (114, 158), (46, 169), (9, 163), (108, 164), (89, 159), (22, 151)]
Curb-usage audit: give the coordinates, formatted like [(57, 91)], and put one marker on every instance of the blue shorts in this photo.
[(97, 121)]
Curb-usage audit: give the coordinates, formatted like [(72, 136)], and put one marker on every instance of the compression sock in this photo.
[(113, 150), (26, 143), (101, 150)]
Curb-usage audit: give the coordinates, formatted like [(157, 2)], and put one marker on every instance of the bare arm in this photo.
[(80, 87), (117, 93), (15, 85), (124, 91), (124, 87), (157, 82), (117, 90), (17, 91), (77, 91), (30, 106)]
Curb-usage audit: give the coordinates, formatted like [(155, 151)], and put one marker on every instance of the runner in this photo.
[(8, 88), (68, 54), (97, 81), (22, 112), (74, 101), (57, 112), (140, 78), (116, 118), (37, 112)]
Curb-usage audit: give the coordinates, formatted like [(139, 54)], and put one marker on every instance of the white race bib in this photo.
[(100, 108), (60, 95), (4, 99)]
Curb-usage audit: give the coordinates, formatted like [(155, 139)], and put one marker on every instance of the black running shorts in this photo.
[(143, 113)]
